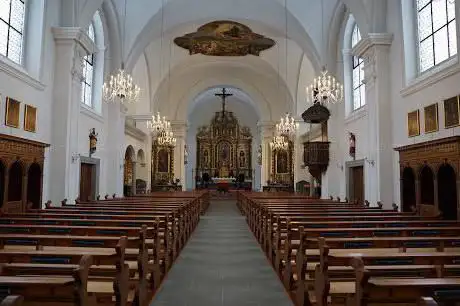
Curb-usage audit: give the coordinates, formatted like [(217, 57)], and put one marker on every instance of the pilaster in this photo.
[(375, 50), (179, 129), (72, 44), (266, 130)]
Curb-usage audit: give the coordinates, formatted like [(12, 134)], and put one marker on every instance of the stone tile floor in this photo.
[(222, 264)]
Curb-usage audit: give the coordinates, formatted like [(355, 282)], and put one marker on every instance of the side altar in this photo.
[(224, 148)]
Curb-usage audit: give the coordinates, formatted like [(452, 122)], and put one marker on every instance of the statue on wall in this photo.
[(92, 141), (352, 140)]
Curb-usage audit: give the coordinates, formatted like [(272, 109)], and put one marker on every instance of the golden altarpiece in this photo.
[(282, 163), (224, 147), (162, 164)]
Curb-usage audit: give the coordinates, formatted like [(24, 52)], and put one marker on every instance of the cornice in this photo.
[(134, 132), (76, 34), (373, 39)]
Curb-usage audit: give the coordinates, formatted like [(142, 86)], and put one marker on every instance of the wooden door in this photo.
[(357, 175), (86, 182)]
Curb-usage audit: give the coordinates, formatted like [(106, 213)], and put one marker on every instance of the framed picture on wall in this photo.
[(431, 118), (413, 123), (451, 112), (12, 112), (30, 118)]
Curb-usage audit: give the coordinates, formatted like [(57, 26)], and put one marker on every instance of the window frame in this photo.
[(358, 68), (92, 63), (22, 33), (431, 35)]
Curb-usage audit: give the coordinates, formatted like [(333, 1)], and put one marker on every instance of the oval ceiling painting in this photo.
[(224, 38)]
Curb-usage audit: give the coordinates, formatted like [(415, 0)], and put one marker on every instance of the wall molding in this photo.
[(433, 76), (356, 115), (85, 110), (135, 132), (18, 72)]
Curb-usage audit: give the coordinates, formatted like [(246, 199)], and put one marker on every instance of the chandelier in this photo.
[(121, 85), (287, 127), (158, 124), (278, 143), (325, 90), (167, 138)]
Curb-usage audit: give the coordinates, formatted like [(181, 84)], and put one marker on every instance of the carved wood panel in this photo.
[(26, 152)]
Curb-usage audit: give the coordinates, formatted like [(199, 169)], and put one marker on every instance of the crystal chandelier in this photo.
[(278, 143), (325, 90), (287, 126), (121, 85), (158, 124), (167, 138)]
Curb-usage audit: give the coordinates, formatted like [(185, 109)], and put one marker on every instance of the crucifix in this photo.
[(223, 95)]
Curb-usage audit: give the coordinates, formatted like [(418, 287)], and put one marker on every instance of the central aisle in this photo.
[(222, 264)]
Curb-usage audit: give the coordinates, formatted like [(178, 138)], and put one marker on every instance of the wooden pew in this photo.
[(12, 300)]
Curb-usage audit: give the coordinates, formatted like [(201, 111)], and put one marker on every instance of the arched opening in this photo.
[(128, 172), (2, 182), (34, 185), (15, 182), (447, 191), (426, 186), (408, 189), (141, 173)]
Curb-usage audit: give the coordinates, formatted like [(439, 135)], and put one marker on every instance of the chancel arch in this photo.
[(222, 141)]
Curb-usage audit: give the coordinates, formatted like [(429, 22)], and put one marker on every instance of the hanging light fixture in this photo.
[(166, 138), (287, 126), (158, 124), (121, 85), (325, 88), (278, 143)]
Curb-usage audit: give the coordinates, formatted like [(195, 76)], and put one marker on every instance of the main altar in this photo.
[(224, 148)]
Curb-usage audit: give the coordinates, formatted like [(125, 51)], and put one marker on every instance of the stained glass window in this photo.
[(437, 33), (12, 13), (359, 93), (88, 73)]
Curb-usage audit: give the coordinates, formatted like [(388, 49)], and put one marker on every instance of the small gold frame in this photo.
[(12, 112), (431, 118), (413, 123), (452, 112), (30, 118)]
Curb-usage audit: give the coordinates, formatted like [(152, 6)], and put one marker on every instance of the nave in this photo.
[(222, 264)]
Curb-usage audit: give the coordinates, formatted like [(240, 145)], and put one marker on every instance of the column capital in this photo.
[(372, 40), (76, 35), (179, 128), (266, 128)]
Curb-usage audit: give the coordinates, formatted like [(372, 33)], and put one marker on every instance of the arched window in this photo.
[(359, 92), (12, 13), (437, 35), (88, 73)]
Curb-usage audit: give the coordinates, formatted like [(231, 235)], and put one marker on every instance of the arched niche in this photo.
[(408, 189), (15, 177), (34, 183), (426, 186), (128, 173), (447, 191)]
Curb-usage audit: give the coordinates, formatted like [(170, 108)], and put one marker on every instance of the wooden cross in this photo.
[(223, 95)]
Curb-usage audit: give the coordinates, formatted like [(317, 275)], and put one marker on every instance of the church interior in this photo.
[(211, 152)]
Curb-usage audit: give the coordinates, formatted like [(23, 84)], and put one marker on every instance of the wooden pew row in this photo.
[(453, 240), (12, 300), (56, 252), (409, 273)]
